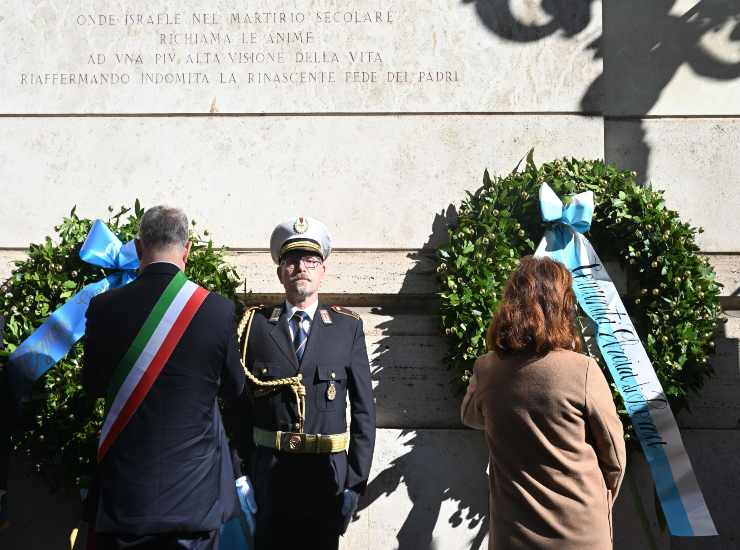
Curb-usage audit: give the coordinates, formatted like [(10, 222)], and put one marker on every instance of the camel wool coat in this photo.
[(556, 449)]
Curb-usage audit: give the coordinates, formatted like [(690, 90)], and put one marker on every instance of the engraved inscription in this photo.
[(311, 42)]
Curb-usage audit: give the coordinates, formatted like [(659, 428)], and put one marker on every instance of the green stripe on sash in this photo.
[(145, 333)]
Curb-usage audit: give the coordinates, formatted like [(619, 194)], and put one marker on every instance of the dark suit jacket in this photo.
[(336, 348), (169, 470)]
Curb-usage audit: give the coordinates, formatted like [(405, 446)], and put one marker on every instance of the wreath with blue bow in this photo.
[(42, 301), (672, 295)]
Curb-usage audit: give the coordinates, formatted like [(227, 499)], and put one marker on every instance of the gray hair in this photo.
[(162, 227)]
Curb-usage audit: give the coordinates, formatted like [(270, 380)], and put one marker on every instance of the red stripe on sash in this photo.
[(155, 367)]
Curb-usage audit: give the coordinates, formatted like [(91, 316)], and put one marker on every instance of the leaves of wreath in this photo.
[(58, 429), (672, 294)]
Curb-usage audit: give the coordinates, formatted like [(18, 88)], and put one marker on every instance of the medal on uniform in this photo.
[(331, 391)]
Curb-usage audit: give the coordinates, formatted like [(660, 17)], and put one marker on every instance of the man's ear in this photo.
[(139, 248), (186, 254)]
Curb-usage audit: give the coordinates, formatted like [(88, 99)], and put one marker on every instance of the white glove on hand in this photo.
[(245, 490)]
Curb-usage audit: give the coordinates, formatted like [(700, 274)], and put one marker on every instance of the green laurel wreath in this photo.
[(672, 295), (58, 428)]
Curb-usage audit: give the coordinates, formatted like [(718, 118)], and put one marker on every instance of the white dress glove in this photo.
[(245, 489)]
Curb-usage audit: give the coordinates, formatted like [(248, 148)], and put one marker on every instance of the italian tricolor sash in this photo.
[(148, 354)]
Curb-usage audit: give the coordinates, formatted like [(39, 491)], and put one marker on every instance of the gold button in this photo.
[(333, 375), (296, 426), (264, 371)]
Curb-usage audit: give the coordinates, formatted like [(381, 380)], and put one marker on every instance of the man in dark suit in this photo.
[(306, 359), (167, 480)]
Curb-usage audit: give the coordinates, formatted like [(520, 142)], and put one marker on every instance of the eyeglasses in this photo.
[(309, 262)]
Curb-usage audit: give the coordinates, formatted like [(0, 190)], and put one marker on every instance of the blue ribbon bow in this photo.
[(577, 214), (55, 337)]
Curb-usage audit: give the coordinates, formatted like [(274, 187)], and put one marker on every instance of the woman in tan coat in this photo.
[(556, 443)]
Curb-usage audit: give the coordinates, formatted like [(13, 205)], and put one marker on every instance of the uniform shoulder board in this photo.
[(345, 311)]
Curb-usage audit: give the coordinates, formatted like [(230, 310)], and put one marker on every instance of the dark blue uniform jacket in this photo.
[(335, 351)]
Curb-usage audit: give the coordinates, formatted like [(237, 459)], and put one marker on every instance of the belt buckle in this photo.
[(294, 442)]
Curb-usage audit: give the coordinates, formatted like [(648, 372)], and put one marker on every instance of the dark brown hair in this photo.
[(536, 312)]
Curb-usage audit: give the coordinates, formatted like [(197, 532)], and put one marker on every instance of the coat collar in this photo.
[(320, 310), (281, 334), (290, 309), (160, 268)]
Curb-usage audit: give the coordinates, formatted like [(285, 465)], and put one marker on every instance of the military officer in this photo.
[(305, 360)]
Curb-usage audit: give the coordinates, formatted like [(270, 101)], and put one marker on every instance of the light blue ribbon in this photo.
[(238, 533), (630, 367), (577, 214), (55, 337)]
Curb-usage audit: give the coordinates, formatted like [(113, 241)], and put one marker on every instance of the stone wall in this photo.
[(401, 112)]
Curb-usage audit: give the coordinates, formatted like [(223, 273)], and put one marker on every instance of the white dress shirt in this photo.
[(310, 311)]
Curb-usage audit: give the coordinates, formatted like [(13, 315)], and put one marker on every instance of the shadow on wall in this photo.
[(712, 440), (568, 16), (643, 45), (439, 466), (444, 471)]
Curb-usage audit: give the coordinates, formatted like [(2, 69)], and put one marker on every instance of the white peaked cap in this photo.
[(301, 233)]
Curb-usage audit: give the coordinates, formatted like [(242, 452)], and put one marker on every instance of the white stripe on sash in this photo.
[(147, 355)]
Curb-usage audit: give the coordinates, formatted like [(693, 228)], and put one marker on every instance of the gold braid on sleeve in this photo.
[(265, 387)]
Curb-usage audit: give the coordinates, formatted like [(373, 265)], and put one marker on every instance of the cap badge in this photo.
[(300, 225)]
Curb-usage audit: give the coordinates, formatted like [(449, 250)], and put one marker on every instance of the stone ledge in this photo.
[(356, 277)]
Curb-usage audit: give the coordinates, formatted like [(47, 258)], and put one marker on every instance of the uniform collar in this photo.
[(290, 309)]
